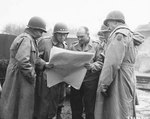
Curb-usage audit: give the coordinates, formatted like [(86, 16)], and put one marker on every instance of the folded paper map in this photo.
[(68, 67)]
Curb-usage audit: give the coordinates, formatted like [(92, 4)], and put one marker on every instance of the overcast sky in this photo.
[(75, 13)]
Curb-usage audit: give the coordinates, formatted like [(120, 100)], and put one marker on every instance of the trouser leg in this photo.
[(43, 111), (61, 99), (90, 88), (76, 103)]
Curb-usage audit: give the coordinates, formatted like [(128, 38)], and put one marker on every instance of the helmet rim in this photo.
[(115, 16), (37, 23), (61, 28)]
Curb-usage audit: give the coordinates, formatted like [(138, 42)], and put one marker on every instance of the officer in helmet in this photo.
[(17, 98), (116, 94), (103, 35), (51, 99), (60, 32), (114, 19), (37, 23)]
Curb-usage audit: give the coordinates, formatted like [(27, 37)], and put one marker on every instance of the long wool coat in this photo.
[(118, 78), (47, 99), (17, 99)]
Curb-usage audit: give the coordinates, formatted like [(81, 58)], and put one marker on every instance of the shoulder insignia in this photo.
[(122, 31), (119, 37)]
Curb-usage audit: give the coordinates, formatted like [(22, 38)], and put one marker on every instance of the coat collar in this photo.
[(56, 43), (85, 47), (31, 34)]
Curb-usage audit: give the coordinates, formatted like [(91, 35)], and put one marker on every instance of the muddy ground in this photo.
[(142, 110)]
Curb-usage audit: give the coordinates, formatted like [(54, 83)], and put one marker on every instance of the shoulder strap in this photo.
[(122, 29), (136, 37)]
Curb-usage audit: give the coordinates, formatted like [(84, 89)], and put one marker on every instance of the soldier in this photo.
[(17, 99), (116, 89), (103, 37), (87, 93), (104, 34), (51, 99)]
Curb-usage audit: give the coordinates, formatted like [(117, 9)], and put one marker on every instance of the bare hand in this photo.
[(49, 66), (87, 66), (104, 89)]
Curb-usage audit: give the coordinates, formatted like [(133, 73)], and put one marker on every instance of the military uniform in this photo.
[(48, 99), (87, 93), (116, 96), (17, 99)]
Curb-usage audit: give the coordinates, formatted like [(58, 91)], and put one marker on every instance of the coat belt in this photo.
[(125, 64)]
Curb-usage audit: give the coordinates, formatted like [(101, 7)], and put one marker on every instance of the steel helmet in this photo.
[(115, 16), (37, 23), (104, 29), (60, 28)]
